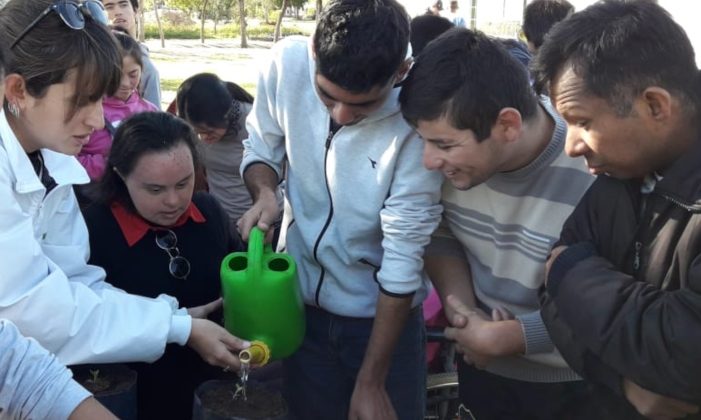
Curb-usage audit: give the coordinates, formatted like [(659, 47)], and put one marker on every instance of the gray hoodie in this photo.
[(359, 206)]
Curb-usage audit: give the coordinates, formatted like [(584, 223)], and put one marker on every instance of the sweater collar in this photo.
[(135, 227)]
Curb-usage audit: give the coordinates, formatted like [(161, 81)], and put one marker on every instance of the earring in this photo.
[(13, 109)]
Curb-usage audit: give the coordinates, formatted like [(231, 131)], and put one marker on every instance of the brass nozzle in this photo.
[(257, 354)]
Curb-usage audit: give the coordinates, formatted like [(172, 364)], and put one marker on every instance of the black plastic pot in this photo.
[(115, 387), (214, 401)]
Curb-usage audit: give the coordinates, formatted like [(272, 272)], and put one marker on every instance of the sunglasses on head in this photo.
[(71, 12), (178, 266)]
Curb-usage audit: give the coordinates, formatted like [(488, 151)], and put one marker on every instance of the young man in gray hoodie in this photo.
[(359, 210)]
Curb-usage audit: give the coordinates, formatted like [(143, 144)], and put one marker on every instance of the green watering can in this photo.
[(262, 302)]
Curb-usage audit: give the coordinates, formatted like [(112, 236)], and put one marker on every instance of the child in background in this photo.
[(124, 103), (217, 110)]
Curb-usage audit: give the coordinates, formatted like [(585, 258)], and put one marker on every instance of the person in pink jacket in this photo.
[(125, 103)]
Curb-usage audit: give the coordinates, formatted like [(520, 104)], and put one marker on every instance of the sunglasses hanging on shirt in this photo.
[(178, 266)]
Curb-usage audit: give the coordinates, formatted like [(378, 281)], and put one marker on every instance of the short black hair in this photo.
[(360, 44), (619, 49), (3, 63), (129, 47), (206, 99), (134, 4), (517, 50), (424, 29), (540, 16), (139, 135), (468, 78)]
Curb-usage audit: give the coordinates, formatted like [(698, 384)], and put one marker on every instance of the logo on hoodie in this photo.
[(372, 162)]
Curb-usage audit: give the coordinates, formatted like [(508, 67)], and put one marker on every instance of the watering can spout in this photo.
[(257, 354)]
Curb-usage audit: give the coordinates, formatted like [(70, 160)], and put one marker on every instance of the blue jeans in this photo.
[(320, 376)]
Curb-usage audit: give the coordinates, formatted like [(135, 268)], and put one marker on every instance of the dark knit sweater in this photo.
[(166, 387)]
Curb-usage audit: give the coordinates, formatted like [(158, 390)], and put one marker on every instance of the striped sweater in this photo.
[(505, 228)]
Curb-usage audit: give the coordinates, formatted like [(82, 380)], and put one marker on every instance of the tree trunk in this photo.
[(242, 14), (319, 6), (203, 15), (141, 26), (473, 15), (278, 25), (158, 21)]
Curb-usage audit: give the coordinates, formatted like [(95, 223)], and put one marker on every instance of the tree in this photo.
[(203, 19), (473, 15), (160, 27), (242, 17), (278, 25), (221, 9), (319, 6), (190, 5)]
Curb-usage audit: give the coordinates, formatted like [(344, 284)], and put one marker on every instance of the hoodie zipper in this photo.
[(326, 224)]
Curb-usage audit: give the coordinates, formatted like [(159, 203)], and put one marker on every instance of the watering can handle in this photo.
[(255, 253)]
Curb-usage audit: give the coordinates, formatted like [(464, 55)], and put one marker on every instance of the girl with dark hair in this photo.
[(64, 60), (217, 110), (153, 236), (124, 103)]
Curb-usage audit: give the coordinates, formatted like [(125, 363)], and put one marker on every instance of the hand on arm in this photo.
[(370, 399), (479, 337), (261, 181), (554, 253)]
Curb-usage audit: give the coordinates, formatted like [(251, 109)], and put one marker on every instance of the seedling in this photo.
[(94, 375)]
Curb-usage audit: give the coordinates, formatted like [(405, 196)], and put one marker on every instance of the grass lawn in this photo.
[(181, 59)]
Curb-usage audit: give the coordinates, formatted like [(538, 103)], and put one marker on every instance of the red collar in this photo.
[(134, 227)]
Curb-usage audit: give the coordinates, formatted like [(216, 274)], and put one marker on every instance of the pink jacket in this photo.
[(93, 156)]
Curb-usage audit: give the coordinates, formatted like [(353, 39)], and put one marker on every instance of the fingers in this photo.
[(203, 311), (261, 215), (656, 406), (269, 234), (459, 321), (502, 314), (215, 345), (457, 306), (246, 223), (212, 306), (451, 333), (682, 407), (234, 343)]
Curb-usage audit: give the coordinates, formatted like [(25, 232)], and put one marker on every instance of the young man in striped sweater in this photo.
[(509, 189)]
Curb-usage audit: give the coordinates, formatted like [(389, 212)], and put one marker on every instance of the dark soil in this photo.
[(261, 403), (111, 379)]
